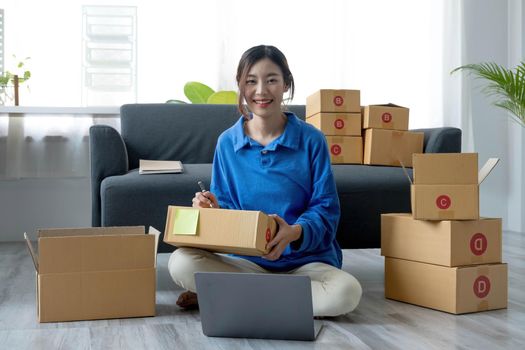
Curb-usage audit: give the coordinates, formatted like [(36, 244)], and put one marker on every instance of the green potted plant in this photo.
[(506, 85), (201, 93), (7, 80)]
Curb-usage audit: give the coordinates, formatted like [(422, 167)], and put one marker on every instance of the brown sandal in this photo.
[(188, 300)]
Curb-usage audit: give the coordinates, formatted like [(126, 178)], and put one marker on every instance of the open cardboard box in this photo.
[(243, 232), (447, 243), (95, 273), (456, 290), (446, 185)]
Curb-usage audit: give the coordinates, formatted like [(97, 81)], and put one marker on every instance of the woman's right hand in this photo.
[(204, 200)]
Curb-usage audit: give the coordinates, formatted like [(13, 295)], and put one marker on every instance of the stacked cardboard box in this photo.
[(337, 114), (444, 256), (387, 140)]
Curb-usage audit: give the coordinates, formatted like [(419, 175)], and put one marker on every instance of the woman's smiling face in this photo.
[(264, 88)]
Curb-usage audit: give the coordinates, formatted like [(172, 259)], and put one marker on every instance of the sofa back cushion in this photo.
[(185, 132)]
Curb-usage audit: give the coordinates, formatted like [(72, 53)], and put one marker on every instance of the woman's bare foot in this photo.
[(188, 300)]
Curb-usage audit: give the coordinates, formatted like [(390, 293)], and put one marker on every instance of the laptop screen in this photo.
[(250, 305)]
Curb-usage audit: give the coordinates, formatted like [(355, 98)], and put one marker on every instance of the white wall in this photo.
[(29, 204)]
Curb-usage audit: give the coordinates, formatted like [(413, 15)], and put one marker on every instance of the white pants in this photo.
[(334, 292)]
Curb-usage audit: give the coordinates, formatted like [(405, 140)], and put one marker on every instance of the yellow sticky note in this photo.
[(185, 221)]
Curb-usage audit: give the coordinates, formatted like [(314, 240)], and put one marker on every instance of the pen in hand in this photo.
[(203, 189)]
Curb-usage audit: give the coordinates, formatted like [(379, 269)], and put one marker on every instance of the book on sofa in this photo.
[(160, 166)]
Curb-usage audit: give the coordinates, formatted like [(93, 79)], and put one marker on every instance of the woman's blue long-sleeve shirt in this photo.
[(291, 177)]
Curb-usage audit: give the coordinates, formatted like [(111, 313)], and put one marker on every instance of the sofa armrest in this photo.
[(441, 140), (108, 157)]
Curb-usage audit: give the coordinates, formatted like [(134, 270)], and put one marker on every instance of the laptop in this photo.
[(251, 305)]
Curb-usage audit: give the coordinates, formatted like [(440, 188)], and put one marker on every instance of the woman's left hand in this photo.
[(285, 235)]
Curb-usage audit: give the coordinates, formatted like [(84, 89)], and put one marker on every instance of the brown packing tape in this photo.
[(396, 147), (476, 259), (447, 214), (483, 305), (397, 134), (483, 270)]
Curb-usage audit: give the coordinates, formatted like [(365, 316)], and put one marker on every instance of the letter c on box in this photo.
[(336, 150), (443, 201)]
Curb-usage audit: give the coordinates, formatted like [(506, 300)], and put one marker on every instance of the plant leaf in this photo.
[(505, 85), (175, 101), (223, 97), (197, 92)]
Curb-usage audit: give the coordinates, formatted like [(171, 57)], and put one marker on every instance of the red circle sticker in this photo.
[(339, 100), (268, 234), (443, 201), (478, 244), (339, 123), (336, 150), (386, 117), (481, 286)]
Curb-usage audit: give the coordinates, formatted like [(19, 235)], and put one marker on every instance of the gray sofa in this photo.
[(120, 196)]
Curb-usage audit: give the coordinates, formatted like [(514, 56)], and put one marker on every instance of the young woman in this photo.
[(272, 161)]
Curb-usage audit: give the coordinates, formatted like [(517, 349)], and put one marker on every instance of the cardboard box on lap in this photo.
[(447, 243), (327, 100), (241, 232), (446, 185), (341, 124), (452, 289), (389, 147), (387, 116), (95, 273)]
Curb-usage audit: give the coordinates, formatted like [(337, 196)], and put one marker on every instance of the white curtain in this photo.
[(40, 145), (487, 31)]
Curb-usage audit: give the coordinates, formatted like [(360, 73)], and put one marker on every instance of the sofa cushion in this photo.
[(365, 192), (134, 199), (177, 131)]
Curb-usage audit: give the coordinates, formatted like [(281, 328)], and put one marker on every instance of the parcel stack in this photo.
[(387, 140), (337, 113), (444, 256)]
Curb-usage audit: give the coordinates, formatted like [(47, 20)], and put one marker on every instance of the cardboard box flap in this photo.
[(486, 169), (445, 168), (91, 253), (34, 257), (92, 231), (388, 105), (405, 171), (153, 231)]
